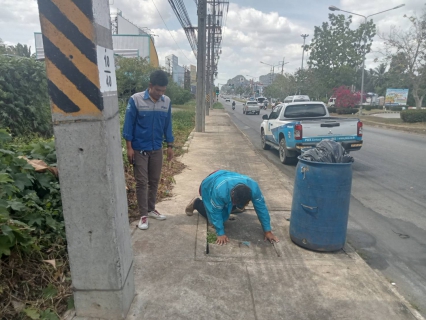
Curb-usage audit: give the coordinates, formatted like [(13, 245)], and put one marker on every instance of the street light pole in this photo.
[(334, 8), (252, 79), (304, 36)]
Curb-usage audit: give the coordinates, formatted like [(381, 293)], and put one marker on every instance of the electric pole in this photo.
[(304, 36), (82, 85), (200, 111), (209, 57), (212, 54)]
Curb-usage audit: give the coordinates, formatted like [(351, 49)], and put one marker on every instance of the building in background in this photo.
[(267, 79), (193, 76), (128, 39), (175, 70)]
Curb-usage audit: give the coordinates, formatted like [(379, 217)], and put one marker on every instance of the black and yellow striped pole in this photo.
[(82, 87)]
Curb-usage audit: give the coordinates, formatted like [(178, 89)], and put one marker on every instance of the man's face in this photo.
[(156, 91)]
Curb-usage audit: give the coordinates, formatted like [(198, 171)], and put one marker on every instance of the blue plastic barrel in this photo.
[(320, 208)]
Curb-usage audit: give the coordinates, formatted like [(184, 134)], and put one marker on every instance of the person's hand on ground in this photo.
[(271, 237), (222, 240)]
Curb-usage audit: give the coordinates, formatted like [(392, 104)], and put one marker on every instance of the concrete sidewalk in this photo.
[(248, 278)]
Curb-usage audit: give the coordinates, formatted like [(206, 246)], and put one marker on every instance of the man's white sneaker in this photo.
[(156, 215), (143, 223)]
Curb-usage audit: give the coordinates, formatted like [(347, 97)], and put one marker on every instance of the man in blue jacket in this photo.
[(148, 122), (223, 191)]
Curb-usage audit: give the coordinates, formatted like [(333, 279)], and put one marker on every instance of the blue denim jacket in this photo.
[(147, 124), (216, 195)]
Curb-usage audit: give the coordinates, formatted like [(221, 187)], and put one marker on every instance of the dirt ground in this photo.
[(165, 187)]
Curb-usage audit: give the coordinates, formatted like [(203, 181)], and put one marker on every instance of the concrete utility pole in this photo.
[(200, 111), (83, 95), (212, 54), (209, 57)]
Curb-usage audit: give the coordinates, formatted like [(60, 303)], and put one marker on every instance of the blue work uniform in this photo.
[(147, 124), (216, 195)]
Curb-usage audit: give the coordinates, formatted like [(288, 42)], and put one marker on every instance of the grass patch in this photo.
[(190, 105), (397, 124), (211, 237), (217, 105)]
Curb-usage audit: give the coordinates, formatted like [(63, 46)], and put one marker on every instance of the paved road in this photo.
[(387, 223)]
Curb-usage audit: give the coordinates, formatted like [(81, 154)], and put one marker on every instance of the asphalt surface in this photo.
[(387, 219)]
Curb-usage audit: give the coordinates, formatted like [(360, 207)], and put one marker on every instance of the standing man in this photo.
[(147, 124), (225, 191)]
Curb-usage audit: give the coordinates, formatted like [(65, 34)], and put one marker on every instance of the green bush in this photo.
[(413, 115), (24, 103), (32, 229), (178, 95), (30, 205), (394, 108), (347, 110), (331, 109)]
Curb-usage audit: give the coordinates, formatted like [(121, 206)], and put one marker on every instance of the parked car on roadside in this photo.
[(293, 126)]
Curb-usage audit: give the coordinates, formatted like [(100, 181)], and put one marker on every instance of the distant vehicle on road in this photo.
[(293, 126), (300, 98), (331, 102), (227, 100), (260, 101), (251, 107)]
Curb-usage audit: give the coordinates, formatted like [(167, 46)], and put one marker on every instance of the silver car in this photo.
[(251, 107)]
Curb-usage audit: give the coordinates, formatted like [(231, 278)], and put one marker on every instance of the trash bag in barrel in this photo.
[(328, 151)]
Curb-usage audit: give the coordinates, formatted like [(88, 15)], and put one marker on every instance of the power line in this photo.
[(170, 32)]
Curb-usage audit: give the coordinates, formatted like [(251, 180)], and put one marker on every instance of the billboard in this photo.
[(396, 97)]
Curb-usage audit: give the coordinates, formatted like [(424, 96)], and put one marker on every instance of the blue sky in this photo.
[(255, 30)]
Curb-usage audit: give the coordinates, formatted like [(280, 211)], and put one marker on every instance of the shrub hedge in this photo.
[(413, 115), (368, 108), (346, 110), (24, 103)]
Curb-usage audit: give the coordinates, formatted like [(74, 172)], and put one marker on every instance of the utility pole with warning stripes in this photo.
[(200, 111), (83, 94)]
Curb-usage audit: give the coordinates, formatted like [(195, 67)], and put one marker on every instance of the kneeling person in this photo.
[(222, 192)]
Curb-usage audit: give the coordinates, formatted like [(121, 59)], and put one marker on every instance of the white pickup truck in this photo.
[(251, 107), (294, 126)]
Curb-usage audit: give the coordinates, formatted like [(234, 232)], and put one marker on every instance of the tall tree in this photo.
[(2, 47), (379, 78), (337, 50), (406, 51), (19, 50)]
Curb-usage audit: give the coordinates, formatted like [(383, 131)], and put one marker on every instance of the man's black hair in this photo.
[(159, 78), (241, 194)]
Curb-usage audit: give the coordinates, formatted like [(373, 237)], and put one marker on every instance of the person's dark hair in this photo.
[(241, 194), (159, 78)]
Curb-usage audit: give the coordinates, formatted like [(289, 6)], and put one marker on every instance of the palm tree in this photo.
[(379, 77)]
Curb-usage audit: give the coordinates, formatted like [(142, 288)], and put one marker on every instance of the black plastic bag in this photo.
[(328, 151)]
